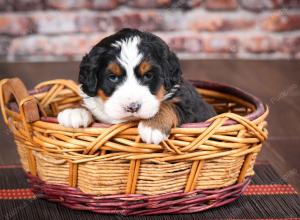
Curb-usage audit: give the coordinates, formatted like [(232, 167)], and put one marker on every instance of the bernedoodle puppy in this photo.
[(133, 75)]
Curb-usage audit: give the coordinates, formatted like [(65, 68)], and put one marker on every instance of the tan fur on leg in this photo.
[(165, 119)]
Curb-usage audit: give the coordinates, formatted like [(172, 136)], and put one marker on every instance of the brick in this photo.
[(169, 4), (4, 43), (32, 45), (261, 44), (12, 24), (260, 5), (105, 4), (55, 22), (207, 44), (73, 45), (280, 22), (221, 4), (218, 23), (172, 20), (146, 20), (176, 43), (45, 46), (67, 4), (149, 3), (3, 5), (93, 22), (192, 44), (291, 4), (65, 45), (206, 24), (290, 45), (187, 4), (221, 44), (27, 5), (238, 24)]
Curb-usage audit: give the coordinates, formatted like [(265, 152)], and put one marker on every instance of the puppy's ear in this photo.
[(89, 71), (173, 71)]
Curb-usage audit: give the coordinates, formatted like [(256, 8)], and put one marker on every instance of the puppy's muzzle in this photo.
[(133, 107)]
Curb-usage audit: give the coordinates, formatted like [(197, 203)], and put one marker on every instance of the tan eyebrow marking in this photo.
[(144, 67), (115, 69)]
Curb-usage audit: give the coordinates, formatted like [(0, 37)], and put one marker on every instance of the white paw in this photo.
[(75, 118), (151, 135)]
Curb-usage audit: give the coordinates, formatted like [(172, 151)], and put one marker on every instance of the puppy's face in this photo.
[(129, 74)]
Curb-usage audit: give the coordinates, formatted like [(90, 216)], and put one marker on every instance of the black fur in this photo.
[(93, 75), (165, 71), (192, 107)]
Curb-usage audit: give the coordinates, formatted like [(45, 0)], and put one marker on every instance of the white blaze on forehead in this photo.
[(129, 55)]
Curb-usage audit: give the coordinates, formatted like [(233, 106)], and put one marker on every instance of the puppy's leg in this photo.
[(157, 129), (75, 118)]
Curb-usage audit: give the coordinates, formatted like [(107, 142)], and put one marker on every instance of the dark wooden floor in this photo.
[(277, 83)]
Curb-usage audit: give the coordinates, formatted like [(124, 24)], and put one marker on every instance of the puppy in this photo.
[(133, 75)]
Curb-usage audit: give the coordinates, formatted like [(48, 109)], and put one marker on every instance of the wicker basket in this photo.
[(107, 169)]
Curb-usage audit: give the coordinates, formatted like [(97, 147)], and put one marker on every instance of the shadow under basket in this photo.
[(107, 169)]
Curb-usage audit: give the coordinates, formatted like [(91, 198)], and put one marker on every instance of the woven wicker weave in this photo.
[(208, 163)]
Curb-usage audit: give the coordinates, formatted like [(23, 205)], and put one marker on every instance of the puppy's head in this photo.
[(130, 72)]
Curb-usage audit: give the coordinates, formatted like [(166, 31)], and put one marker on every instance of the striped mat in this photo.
[(268, 197)]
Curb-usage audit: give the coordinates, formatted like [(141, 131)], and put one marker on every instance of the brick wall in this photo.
[(43, 30)]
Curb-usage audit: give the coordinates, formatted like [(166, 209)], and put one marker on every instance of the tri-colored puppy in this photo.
[(133, 75)]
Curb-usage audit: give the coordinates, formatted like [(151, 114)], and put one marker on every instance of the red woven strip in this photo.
[(133, 204), (16, 194), (10, 166), (269, 189), (277, 218)]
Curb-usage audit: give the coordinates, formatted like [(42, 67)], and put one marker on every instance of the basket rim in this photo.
[(202, 84), (231, 90)]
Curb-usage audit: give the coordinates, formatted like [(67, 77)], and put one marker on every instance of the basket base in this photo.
[(134, 204)]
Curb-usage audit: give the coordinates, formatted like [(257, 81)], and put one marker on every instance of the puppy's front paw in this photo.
[(151, 135), (75, 118)]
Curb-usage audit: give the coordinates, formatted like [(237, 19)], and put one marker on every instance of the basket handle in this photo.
[(27, 104)]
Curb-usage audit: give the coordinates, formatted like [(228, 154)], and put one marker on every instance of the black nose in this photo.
[(133, 107)]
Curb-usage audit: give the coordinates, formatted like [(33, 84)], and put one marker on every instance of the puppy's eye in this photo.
[(113, 78), (147, 76)]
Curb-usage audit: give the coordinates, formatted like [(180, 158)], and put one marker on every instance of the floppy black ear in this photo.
[(89, 71), (173, 71)]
